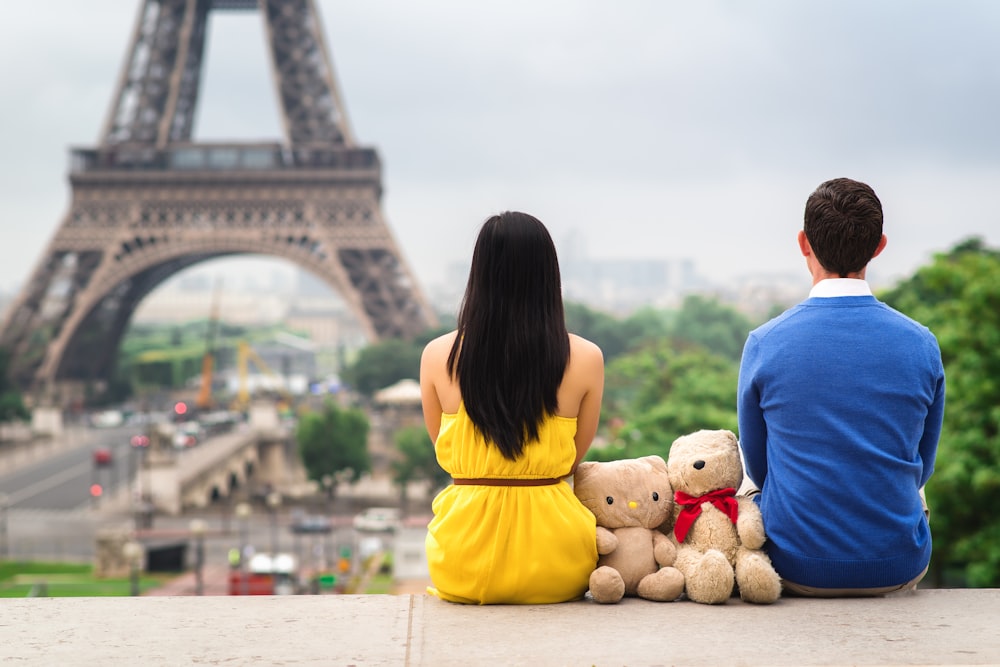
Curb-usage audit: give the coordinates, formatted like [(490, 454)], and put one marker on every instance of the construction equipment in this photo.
[(244, 355), (204, 401)]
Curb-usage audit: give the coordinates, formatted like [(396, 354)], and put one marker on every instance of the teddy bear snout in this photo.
[(632, 504), (699, 464)]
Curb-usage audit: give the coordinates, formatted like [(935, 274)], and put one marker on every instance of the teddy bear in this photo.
[(631, 499), (718, 536)]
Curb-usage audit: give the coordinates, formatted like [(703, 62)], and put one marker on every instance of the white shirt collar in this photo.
[(831, 287)]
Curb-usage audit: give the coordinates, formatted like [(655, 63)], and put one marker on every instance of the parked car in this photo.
[(377, 519), (103, 456), (311, 524), (107, 419), (187, 434)]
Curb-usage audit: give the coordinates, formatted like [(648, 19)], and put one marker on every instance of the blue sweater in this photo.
[(840, 403)]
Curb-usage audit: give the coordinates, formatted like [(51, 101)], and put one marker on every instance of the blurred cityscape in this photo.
[(323, 542), (257, 291), (275, 531)]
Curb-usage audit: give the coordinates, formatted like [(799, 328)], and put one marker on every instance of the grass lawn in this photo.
[(19, 579), (380, 583)]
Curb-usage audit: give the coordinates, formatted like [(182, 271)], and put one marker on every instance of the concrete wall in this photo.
[(933, 627)]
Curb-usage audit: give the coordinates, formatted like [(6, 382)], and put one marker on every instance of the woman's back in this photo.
[(579, 395), (512, 402)]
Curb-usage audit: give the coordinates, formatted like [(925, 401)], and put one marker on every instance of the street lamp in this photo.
[(4, 504), (136, 453), (327, 482), (243, 514), (132, 551), (273, 502), (198, 528), (342, 477)]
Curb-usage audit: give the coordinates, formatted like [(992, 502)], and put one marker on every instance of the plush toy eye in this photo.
[(611, 501), (656, 496)]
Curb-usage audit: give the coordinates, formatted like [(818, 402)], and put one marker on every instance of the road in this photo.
[(50, 513), (62, 479)]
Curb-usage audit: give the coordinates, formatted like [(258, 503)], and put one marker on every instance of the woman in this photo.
[(512, 402)]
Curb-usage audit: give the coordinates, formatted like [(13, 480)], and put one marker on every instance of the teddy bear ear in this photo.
[(583, 468), (656, 461)]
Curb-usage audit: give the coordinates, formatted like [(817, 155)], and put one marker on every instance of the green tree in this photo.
[(382, 364), (663, 391), (615, 336), (11, 401), (714, 325), (418, 460), (333, 440), (596, 326), (958, 297)]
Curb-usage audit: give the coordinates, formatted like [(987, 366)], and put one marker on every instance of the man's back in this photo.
[(840, 405)]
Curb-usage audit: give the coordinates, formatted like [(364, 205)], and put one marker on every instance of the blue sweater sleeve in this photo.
[(750, 417), (932, 427)]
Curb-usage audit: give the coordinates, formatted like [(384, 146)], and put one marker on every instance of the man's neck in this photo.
[(840, 287), (819, 273)]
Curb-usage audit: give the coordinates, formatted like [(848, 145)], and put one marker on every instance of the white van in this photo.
[(377, 520)]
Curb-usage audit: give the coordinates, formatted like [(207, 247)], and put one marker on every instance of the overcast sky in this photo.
[(647, 128)]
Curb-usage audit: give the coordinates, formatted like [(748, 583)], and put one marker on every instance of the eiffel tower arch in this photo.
[(149, 202)]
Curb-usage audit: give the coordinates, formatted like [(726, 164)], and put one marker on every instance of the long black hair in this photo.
[(512, 345)]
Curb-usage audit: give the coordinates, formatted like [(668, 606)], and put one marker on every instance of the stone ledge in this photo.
[(929, 627)]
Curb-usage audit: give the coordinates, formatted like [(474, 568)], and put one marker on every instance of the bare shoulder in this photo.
[(582, 386), (586, 361), (439, 391), (440, 347), (581, 349)]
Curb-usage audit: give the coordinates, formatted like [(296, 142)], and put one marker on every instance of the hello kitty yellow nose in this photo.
[(632, 504)]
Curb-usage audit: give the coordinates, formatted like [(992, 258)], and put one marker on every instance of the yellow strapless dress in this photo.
[(509, 544)]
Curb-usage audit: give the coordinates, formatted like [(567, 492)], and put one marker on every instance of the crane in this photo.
[(245, 354), (204, 401)]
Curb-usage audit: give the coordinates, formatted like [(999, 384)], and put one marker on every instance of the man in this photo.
[(840, 403)]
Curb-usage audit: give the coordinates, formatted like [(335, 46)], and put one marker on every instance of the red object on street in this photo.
[(102, 456), (256, 584)]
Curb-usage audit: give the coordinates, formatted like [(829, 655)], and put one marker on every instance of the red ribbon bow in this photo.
[(723, 499)]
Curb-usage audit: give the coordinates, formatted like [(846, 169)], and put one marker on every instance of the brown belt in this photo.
[(509, 481)]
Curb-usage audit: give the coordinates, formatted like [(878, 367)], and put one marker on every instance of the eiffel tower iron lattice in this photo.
[(148, 201)]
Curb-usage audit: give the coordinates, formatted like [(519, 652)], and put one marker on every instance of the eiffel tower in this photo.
[(148, 202)]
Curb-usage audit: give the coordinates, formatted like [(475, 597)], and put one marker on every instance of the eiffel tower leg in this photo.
[(148, 203)]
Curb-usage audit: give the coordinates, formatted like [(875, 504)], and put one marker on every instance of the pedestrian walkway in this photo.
[(411, 587), (215, 582)]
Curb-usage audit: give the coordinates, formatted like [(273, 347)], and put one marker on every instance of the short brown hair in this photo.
[(843, 223)]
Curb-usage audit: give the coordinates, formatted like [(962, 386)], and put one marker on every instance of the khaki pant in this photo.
[(801, 590), (794, 589)]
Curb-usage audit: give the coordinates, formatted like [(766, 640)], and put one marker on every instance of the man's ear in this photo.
[(881, 246), (804, 246)]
